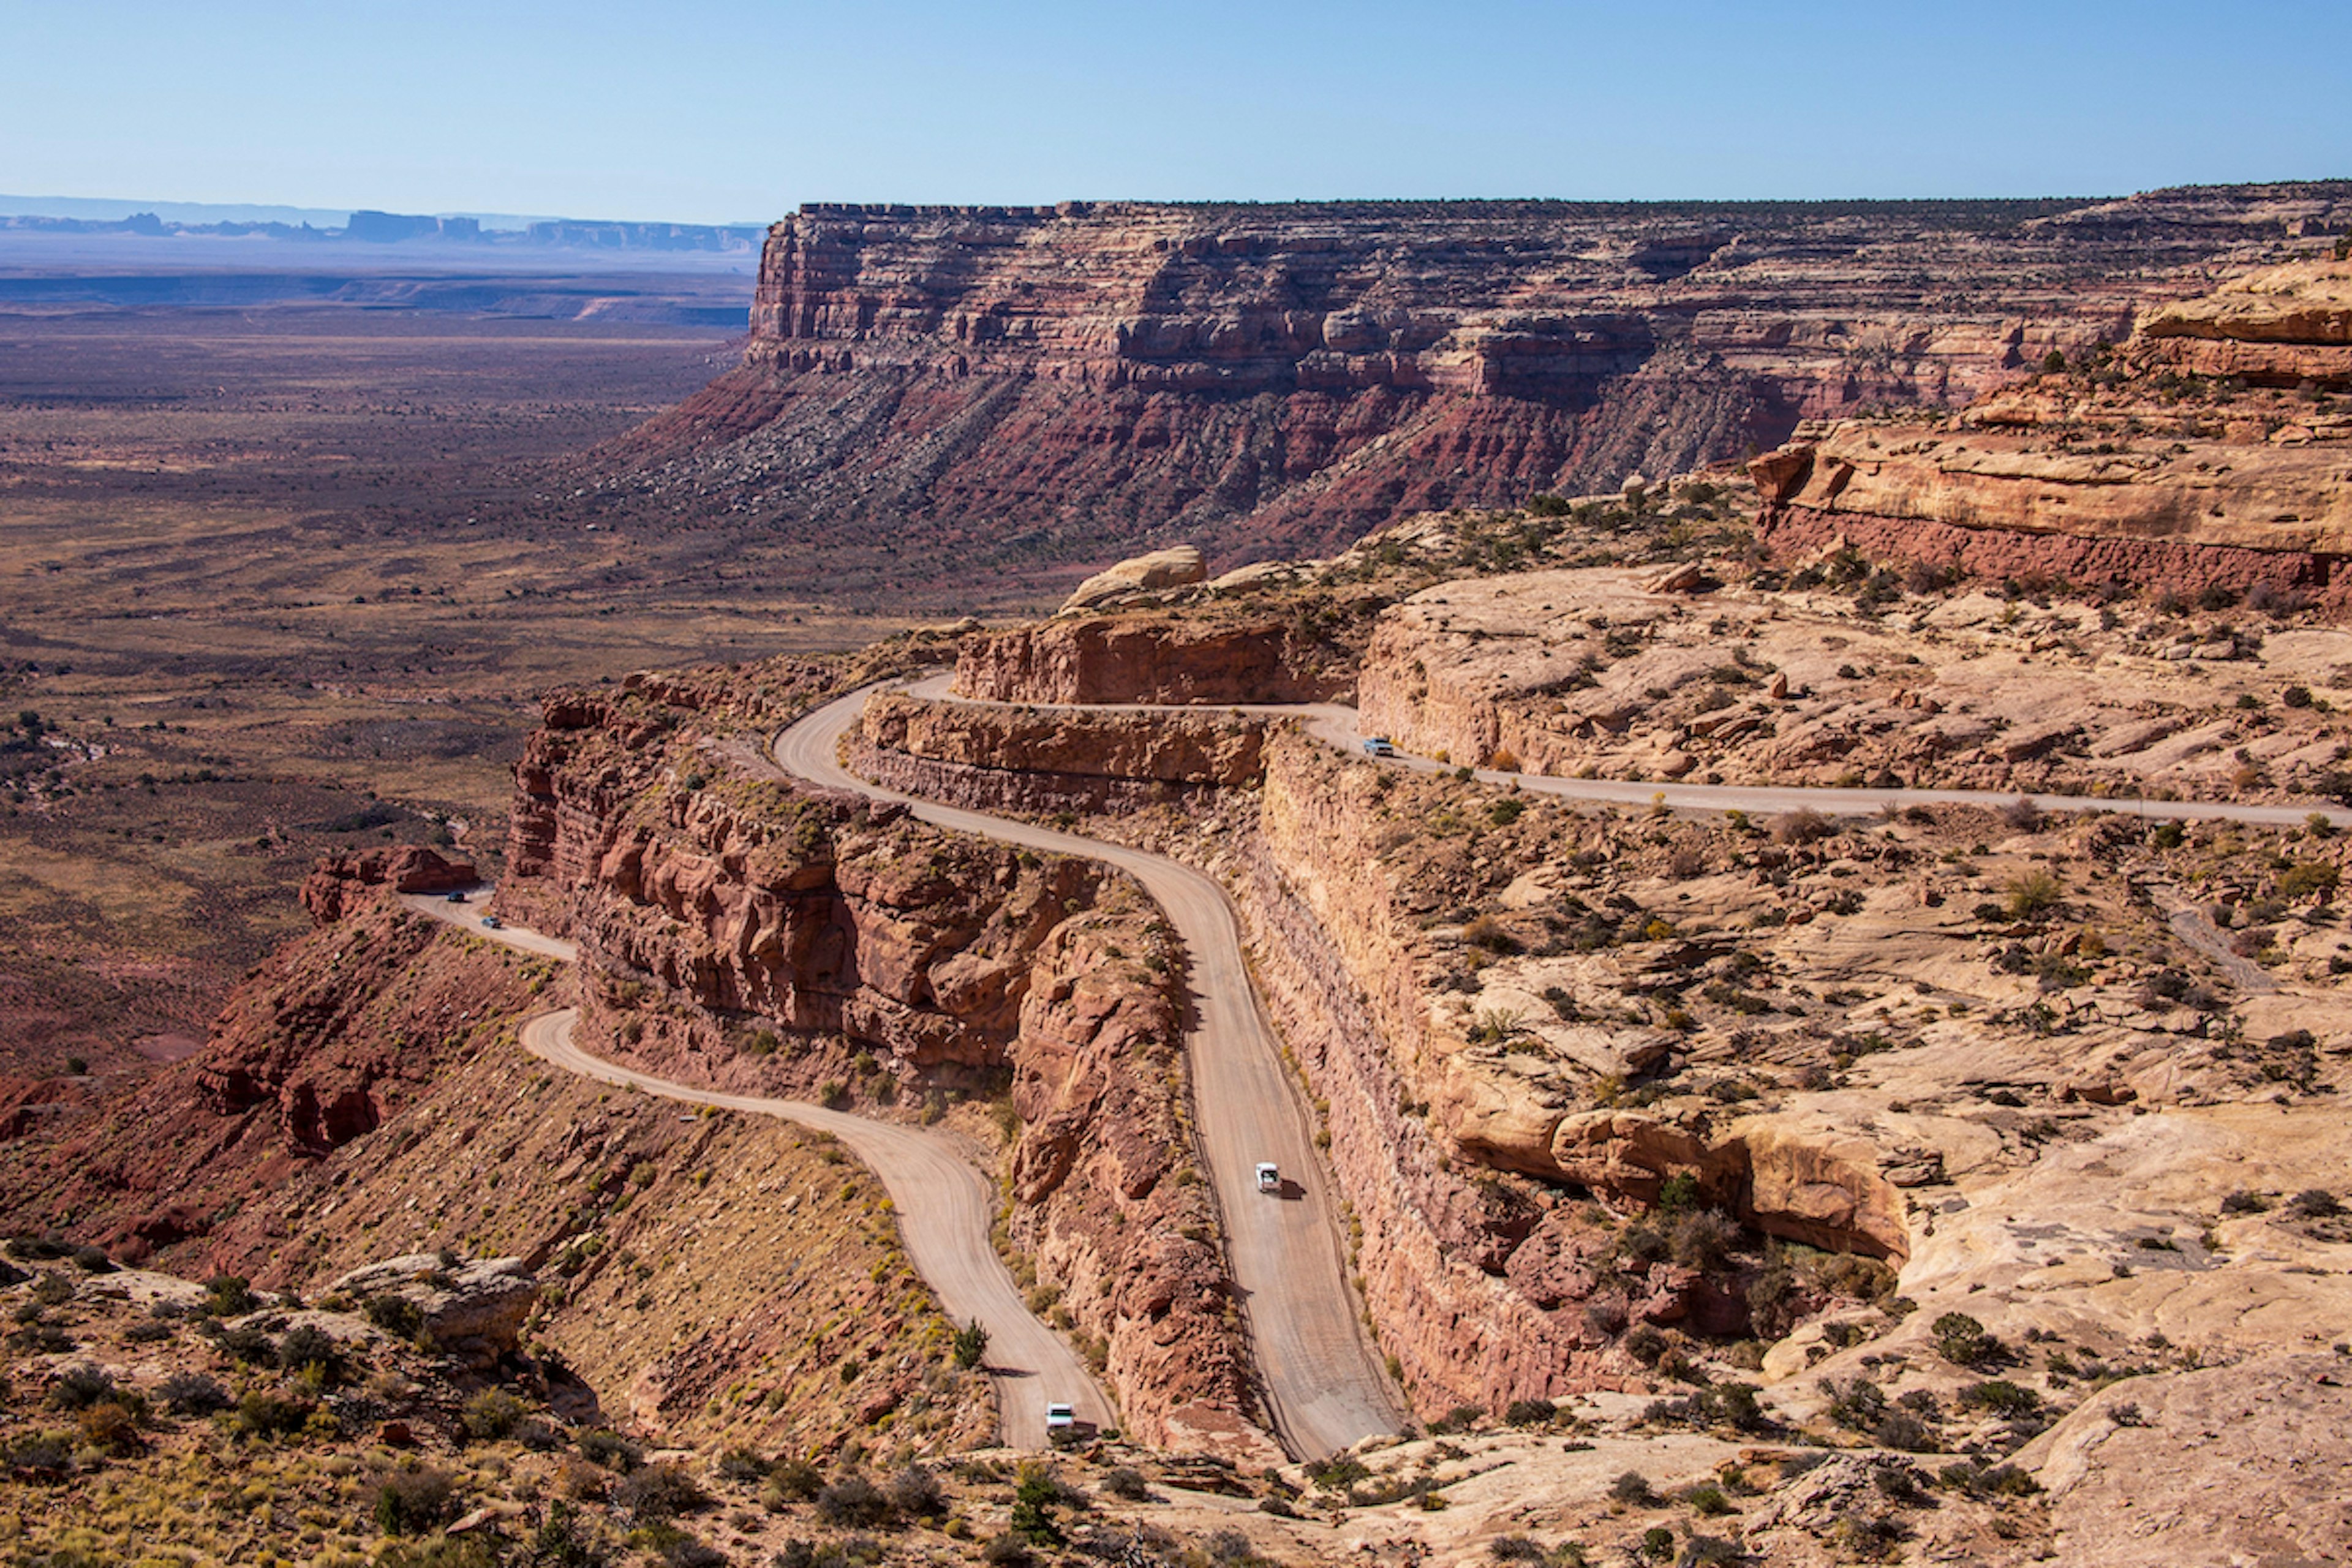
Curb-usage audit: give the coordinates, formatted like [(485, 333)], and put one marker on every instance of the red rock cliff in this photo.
[(929, 387)]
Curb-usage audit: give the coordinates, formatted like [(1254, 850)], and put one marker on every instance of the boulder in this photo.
[(1176, 567), (474, 1308)]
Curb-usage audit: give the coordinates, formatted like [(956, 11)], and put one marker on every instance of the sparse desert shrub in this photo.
[(260, 1414), (1961, 1340), (1529, 1412), (660, 1493), (491, 1414), (1126, 1483), (249, 1344), (111, 1427), (1633, 1488), (852, 1501), (607, 1449), (193, 1394), (2317, 877), (795, 1479), (79, 1387), (2002, 1397), (916, 1493), (2023, 814), (1803, 826), (1703, 1240), (2031, 894), (229, 1296), (1490, 934), (307, 1345), (2314, 1203), (395, 1315), (412, 1500)]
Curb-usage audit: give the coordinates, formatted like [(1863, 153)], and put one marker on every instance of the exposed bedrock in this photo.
[(2208, 452), (1480, 1290), (1038, 387), (752, 935), (1146, 657), (1480, 1297)]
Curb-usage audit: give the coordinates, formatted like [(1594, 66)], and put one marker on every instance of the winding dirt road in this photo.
[(945, 1207), (1323, 1385)]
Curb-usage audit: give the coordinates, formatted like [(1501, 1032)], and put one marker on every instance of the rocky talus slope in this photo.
[(989, 391), (2213, 451), (743, 931)]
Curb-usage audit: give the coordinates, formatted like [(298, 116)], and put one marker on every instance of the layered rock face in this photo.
[(1149, 657), (742, 931), (2214, 451), (1022, 387), (1005, 758)]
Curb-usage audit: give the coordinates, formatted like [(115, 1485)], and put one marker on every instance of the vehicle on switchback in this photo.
[(1061, 1423), (1269, 1177), (492, 923), (1378, 746)]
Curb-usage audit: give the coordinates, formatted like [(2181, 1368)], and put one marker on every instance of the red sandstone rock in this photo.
[(341, 879), (1093, 377)]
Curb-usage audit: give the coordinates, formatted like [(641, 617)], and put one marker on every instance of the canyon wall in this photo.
[(935, 393), (739, 930)]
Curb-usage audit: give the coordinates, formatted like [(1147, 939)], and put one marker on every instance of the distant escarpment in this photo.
[(2210, 455), (948, 398), (738, 929)]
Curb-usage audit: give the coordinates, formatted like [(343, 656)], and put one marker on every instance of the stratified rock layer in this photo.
[(966, 393), (2144, 471)]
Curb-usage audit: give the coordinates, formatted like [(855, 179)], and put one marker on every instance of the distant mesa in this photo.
[(392, 228), (1047, 387)]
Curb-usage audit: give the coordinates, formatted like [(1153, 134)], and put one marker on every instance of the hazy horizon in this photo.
[(733, 112)]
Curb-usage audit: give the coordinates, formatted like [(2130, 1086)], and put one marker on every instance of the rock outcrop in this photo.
[(1172, 657), (1174, 568), (342, 882), (1039, 387), (474, 1308), (2207, 453), (746, 931)]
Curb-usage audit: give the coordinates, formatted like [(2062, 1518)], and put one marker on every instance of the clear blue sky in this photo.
[(730, 109)]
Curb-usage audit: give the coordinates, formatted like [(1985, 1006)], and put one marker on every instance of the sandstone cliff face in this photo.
[(1092, 375), (746, 932), (1169, 658), (2139, 471), (1210, 747)]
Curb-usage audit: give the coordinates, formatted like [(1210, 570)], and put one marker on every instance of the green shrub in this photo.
[(412, 1500), (491, 1414), (229, 1296), (1961, 1340)]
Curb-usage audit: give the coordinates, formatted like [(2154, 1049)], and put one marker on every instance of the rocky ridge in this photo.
[(742, 931)]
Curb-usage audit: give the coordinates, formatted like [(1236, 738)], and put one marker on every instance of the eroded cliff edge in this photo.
[(738, 929), (988, 394)]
